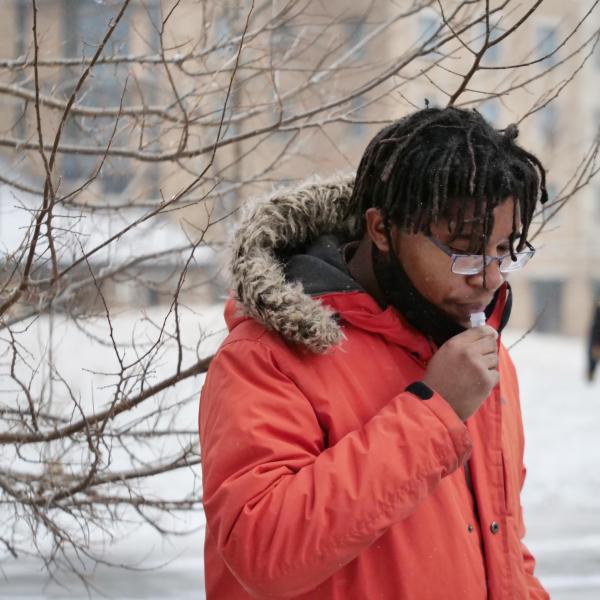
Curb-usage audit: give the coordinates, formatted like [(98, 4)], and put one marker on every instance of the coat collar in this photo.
[(362, 311), (274, 231)]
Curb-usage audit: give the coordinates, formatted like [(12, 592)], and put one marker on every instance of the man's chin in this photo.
[(462, 315)]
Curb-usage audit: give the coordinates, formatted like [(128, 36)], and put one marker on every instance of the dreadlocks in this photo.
[(430, 163)]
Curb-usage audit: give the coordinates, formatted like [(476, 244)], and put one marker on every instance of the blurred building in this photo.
[(315, 54), (102, 194), (557, 290)]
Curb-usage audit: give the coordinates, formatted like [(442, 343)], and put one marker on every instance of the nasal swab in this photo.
[(477, 319)]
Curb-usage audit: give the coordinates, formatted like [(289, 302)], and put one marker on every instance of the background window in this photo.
[(490, 111), (356, 113), (429, 21), (548, 124), (23, 26), (550, 207), (85, 23), (547, 305), (547, 41), (492, 54), (355, 33), (282, 37)]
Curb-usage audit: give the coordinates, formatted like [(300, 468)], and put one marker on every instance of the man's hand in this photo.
[(465, 369)]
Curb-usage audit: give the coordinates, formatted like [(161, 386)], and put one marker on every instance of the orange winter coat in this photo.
[(324, 478)]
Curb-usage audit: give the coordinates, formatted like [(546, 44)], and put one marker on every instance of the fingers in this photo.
[(485, 331), (490, 361), (477, 333), (486, 346), (495, 377), (482, 340)]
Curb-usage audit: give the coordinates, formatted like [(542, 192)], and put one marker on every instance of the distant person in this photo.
[(360, 439), (594, 342)]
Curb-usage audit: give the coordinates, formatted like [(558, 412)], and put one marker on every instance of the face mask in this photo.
[(400, 293)]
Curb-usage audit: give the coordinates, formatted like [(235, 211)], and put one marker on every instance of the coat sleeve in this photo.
[(285, 510)]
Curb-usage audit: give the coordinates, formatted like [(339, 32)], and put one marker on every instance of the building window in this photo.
[(152, 295), (490, 111), (428, 32), (282, 38), (22, 27), (547, 42), (549, 209), (357, 113), (492, 54), (548, 123), (355, 33), (21, 39), (547, 305), (85, 23), (596, 291), (152, 172), (429, 21)]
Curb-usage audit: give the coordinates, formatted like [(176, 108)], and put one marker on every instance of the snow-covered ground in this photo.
[(561, 497)]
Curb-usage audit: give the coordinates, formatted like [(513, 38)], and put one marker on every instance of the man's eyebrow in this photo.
[(466, 237), (463, 237)]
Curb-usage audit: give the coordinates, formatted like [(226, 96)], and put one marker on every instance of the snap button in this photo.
[(494, 527), (470, 528)]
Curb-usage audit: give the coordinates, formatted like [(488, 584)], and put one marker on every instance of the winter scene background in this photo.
[(561, 498), (133, 136)]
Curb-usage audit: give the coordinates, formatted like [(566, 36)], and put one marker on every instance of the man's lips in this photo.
[(474, 307), (465, 309)]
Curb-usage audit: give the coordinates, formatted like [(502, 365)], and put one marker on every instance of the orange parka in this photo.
[(324, 478)]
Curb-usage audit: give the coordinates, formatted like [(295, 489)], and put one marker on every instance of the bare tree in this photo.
[(127, 151)]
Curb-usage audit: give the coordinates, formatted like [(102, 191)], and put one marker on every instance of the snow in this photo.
[(561, 498), (86, 230)]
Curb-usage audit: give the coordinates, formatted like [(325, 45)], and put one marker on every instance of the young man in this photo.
[(594, 342), (359, 439)]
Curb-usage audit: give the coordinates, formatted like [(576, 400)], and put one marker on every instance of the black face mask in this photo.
[(400, 293)]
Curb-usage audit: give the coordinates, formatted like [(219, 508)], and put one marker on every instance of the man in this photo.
[(359, 439), (594, 342)]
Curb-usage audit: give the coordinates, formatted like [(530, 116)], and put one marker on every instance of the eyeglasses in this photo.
[(472, 264)]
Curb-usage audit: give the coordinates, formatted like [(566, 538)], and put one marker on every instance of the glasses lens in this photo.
[(468, 264), (508, 264)]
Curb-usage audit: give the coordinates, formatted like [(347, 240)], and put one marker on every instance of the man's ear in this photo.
[(376, 229)]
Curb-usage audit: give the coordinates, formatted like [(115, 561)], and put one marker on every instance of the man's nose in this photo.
[(490, 278)]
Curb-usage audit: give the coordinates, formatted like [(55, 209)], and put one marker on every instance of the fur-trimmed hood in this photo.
[(270, 234), (288, 272)]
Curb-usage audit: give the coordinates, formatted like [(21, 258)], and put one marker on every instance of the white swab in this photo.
[(477, 319)]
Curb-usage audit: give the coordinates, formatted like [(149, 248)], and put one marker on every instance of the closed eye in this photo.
[(502, 250), (461, 251)]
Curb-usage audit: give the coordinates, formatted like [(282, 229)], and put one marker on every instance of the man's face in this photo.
[(429, 268)]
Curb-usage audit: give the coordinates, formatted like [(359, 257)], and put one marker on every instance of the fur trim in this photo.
[(290, 220)]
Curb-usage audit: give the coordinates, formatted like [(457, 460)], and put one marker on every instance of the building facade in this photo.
[(311, 86)]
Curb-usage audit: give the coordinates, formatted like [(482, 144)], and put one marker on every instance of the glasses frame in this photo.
[(488, 260)]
